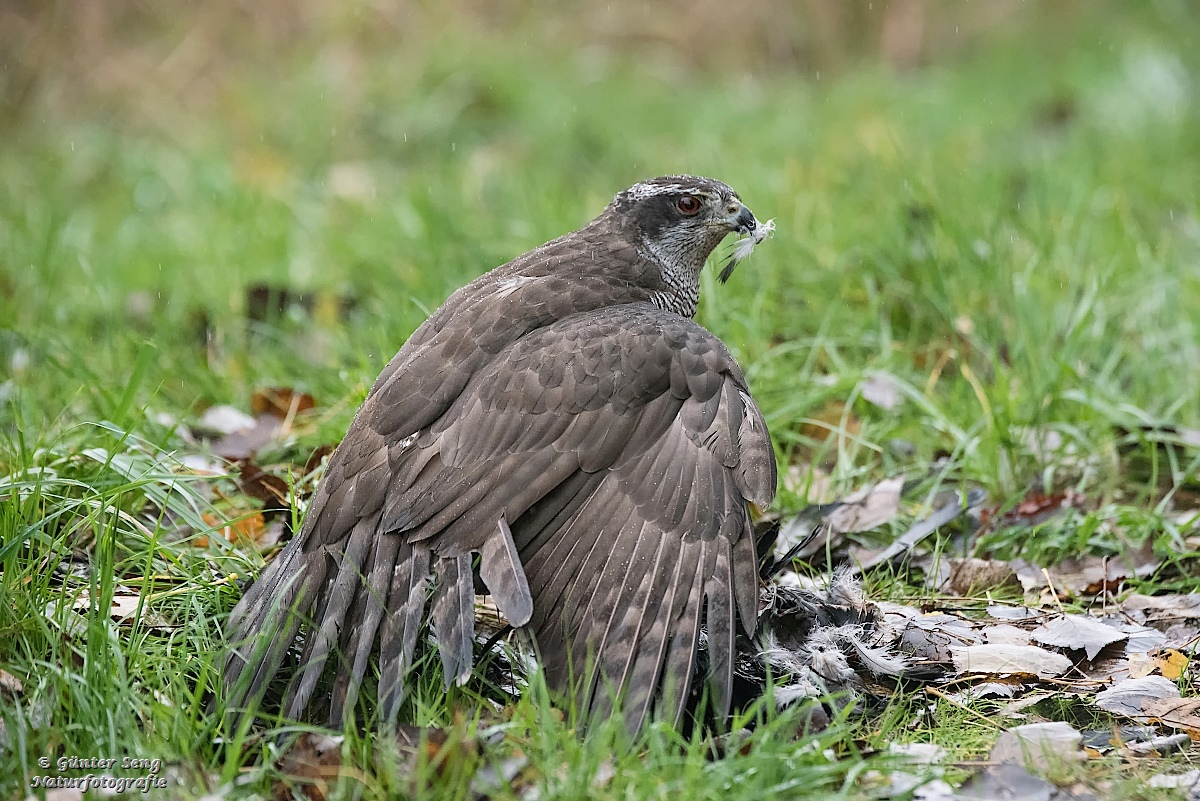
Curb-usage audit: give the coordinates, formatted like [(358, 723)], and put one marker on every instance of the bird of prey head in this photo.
[(679, 219)]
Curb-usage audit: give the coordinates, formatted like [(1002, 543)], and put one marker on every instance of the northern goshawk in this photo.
[(563, 417)]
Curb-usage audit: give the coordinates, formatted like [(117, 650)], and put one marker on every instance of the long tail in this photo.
[(366, 593)]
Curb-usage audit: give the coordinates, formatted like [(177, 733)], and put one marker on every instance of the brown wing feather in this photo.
[(621, 448)]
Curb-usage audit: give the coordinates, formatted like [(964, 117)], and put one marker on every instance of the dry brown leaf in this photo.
[(809, 482), (1009, 781), (233, 434), (1141, 665), (245, 443), (862, 510), (1036, 507), (1089, 576), (1178, 713), (1038, 746), (1181, 636), (1095, 575), (1000, 612), (1078, 633), (1004, 634), (124, 610), (283, 402), (1188, 780), (828, 422), (1006, 688), (1131, 696), (1142, 639), (935, 637), (1170, 663), (272, 490), (903, 546), (1162, 608), (247, 529), (311, 766), (1010, 660), (1107, 670), (867, 508)]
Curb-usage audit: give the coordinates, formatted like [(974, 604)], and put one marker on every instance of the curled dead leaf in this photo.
[(1036, 507), (1090, 575), (936, 637), (867, 508)]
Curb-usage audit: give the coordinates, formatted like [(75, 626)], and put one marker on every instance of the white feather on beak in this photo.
[(744, 246)]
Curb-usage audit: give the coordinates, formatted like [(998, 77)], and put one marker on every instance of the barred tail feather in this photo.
[(340, 595), (373, 601), (453, 616), (399, 629), (265, 623)]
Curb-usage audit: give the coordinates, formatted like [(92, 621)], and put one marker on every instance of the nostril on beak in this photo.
[(745, 220)]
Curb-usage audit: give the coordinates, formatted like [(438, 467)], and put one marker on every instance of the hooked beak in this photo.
[(741, 219)]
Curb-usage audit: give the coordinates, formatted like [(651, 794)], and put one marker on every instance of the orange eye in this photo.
[(689, 204)]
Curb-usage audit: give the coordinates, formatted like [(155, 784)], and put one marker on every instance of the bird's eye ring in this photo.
[(688, 204)]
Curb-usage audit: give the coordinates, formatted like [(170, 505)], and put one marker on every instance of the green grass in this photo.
[(1014, 271)]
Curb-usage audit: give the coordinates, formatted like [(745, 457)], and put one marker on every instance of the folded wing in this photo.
[(603, 467)]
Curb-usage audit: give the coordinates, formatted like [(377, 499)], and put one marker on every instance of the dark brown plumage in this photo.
[(563, 417)]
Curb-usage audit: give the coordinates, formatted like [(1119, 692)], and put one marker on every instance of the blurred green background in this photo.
[(995, 202)]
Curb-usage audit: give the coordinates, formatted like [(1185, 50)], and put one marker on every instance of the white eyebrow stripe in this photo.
[(676, 184), (642, 191)]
